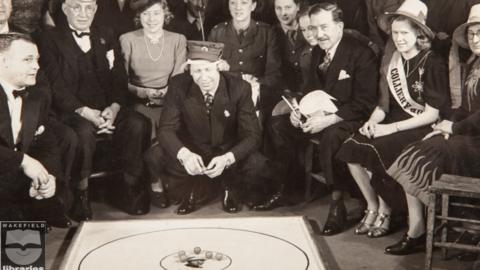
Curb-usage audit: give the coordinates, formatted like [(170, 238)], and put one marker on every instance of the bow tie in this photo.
[(81, 34), (20, 93)]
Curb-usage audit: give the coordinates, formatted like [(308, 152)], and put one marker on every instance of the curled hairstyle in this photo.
[(337, 13), (6, 40), (149, 3), (423, 41)]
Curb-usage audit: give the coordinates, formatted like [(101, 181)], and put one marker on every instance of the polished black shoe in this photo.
[(407, 245), (188, 205), (337, 218), (159, 199), (136, 200), (59, 221), (82, 210), (230, 203), (277, 200)]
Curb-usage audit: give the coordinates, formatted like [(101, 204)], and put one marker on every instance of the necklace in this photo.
[(154, 59)]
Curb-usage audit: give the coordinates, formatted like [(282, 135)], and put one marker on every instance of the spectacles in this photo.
[(471, 34), (87, 9)]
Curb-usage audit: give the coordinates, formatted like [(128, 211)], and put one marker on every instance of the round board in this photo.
[(163, 249)]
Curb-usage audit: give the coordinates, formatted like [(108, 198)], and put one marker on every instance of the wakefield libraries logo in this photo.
[(23, 245)]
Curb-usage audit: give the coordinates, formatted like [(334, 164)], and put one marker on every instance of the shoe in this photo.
[(337, 218), (82, 210), (60, 221), (159, 199), (230, 204), (275, 201), (381, 226), (407, 245), (136, 200), (364, 227), (188, 205)]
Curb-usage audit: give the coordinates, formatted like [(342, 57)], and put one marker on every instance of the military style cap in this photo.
[(204, 50)]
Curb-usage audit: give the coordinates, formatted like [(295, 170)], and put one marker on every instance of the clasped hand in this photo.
[(314, 123), (103, 120), (43, 183), (194, 165), (373, 130), (444, 128)]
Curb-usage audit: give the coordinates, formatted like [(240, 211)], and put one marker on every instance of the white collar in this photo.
[(286, 29), (8, 88), (5, 29), (78, 31)]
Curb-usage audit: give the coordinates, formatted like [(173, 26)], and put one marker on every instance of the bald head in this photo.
[(80, 13)]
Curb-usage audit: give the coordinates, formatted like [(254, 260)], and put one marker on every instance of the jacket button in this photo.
[(296, 63), (240, 50), (240, 63)]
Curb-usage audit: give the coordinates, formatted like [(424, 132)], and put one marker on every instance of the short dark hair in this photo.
[(337, 12), (141, 5), (6, 40)]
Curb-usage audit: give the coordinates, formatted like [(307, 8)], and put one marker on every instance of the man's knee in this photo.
[(154, 156), (136, 124)]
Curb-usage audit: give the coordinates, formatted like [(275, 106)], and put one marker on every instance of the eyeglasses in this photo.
[(87, 9), (471, 34)]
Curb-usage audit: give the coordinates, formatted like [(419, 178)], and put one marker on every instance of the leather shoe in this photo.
[(188, 205), (82, 210), (159, 199), (59, 221), (136, 201), (275, 201), (407, 245), (337, 218), (230, 204)]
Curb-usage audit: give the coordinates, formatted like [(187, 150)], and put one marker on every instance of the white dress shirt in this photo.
[(15, 109), (82, 42)]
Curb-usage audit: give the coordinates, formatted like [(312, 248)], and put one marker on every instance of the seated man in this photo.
[(83, 65), (208, 128), (347, 70), (29, 157)]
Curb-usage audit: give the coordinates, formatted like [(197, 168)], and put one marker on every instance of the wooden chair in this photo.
[(309, 173), (445, 187)]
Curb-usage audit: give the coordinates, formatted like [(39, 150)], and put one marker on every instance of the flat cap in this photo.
[(204, 50)]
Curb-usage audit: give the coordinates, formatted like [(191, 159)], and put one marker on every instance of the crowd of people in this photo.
[(188, 93)]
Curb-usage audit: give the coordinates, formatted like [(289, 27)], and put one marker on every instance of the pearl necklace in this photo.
[(153, 43)]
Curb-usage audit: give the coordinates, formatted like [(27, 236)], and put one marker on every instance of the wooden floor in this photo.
[(347, 250)]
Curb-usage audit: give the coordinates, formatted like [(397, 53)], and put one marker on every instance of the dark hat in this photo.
[(204, 50), (412, 9)]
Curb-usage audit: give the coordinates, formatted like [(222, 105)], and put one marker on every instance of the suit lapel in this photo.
[(30, 114), (197, 112), (339, 60), (251, 33), (5, 122), (69, 47), (217, 115)]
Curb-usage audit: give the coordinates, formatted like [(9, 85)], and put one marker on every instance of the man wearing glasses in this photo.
[(89, 86)]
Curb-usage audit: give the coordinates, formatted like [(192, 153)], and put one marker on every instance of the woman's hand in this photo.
[(368, 129)]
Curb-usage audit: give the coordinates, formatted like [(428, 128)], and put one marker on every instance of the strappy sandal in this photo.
[(381, 226), (364, 227)]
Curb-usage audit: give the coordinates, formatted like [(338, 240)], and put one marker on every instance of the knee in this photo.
[(84, 133), (138, 124), (154, 156)]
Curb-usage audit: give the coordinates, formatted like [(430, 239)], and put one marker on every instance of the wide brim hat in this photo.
[(460, 34), (415, 10)]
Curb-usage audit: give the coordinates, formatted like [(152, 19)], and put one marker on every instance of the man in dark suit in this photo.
[(190, 14), (208, 129), (29, 156), (347, 70), (89, 84)]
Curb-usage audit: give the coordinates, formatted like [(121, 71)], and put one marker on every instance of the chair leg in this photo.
[(445, 202), (430, 229), (308, 171)]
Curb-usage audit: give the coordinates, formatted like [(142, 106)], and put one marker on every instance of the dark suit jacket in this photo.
[(356, 95), (59, 54), (35, 111), (233, 125)]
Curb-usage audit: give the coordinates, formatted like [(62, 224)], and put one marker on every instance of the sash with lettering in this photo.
[(397, 83)]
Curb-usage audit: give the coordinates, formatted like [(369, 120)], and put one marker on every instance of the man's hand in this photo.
[(91, 115), (34, 170), (316, 123), (193, 164), (445, 127), (47, 190), (108, 114), (384, 130), (295, 119), (223, 65), (216, 166)]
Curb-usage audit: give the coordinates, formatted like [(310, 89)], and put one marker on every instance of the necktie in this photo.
[(241, 35), (81, 34), (291, 34), (208, 102), (19, 93), (327, 59)]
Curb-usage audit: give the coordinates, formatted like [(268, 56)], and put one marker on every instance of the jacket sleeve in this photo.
[(247, 125), (364, 84), (273, 62)]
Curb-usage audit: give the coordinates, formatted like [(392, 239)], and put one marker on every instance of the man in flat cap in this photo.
[(208, 128)]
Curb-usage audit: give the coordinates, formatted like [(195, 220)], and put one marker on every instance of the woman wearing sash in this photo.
[(452, 148), (152, 55), (414, 88)]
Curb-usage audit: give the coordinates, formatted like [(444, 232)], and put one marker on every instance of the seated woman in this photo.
[(152, 56), (456, 152), (417, 89)]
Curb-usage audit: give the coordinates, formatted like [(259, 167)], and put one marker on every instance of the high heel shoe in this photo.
[(364, 227), (381, 226)]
